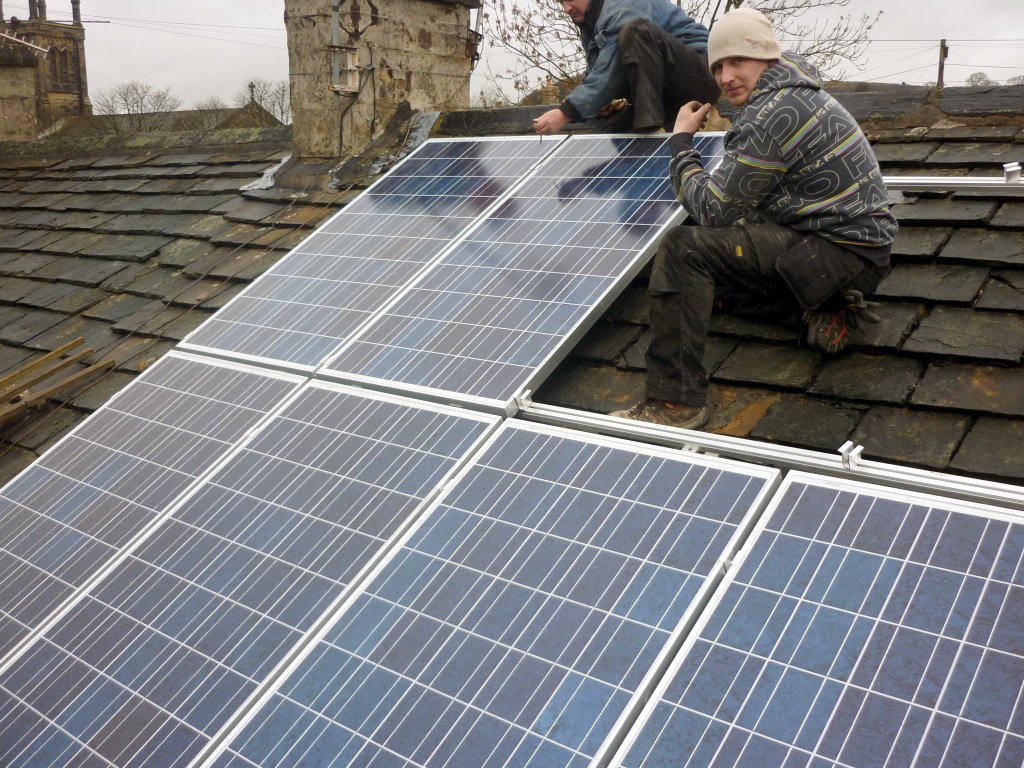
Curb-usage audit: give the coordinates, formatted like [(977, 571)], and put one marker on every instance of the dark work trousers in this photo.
[(736, 265), (663, 74)]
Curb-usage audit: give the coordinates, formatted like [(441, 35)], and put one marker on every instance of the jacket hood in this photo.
[(791, 71)]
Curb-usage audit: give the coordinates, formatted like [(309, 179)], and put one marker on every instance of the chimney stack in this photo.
[(33, 13), (2, 22), (42, 10), (76, 11)]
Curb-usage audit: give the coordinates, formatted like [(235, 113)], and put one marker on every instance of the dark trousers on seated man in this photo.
[(738, 266), (662, 73)]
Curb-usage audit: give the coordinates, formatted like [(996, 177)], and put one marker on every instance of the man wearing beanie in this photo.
[(648, 51), (794, 225)]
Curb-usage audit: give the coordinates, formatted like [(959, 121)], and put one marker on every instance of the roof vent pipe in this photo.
[(76, 11)]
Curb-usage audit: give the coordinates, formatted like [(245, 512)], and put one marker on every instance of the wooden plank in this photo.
[(15, 389), (29, 367), (8, 412)]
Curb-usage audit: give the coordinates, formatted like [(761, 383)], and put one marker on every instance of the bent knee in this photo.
[(633, 33)]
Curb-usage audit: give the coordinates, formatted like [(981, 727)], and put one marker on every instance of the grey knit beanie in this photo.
[(743, 32)]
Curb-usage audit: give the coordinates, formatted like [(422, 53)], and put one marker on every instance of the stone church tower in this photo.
[(354, 63), (61, 86)]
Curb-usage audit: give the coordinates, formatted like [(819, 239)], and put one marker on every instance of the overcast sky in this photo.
[(204, 48)]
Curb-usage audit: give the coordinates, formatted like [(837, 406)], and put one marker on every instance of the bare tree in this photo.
[(136, 107), (1016, 80), (272, 95), (205, 115), (546, 43), (980, 79)]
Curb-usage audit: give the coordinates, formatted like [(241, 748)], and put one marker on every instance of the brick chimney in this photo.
[(76, 11), (42, 9), (353, 63)]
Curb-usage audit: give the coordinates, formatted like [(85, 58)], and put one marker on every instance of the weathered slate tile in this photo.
[(808, 422), (934, 282), (596, 389), (183, 252), (133, 354), (716, 349), (23, 264), (1004, 291), (72, 244), (243, 211), (975, 133), (985, 450), (242, 264), (299, 216), (728, 325), (1009, 216), (171, 323), (222, 296), (280, 240), (170, 225), (867, 105), (920, 243), (188, 203), (981, 389), (736, 410), (205, 292), (108, 185), (101, 391), (974, 153), (31, 324), (897, 321), (15, 460), (7, 235), (51, 200), (915, 152), (26, 241), (309, 197), (119, 283), (162, 283), (128, 247), (769, 365), (166, 186), (978, 246), (74, 164), (962, 212), (88, 272), (216, 185), (44, 426), (11, 357), (875, 378), (605, 342), (237, 170), (241, 234), (116, 307), (13, 291), (97, 335), (922, 438), (64, 298), (122, 161), (189, 159), (995, 336)]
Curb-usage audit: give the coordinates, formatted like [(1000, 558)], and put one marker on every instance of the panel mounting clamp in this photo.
[(851, 453), (1011, 173)]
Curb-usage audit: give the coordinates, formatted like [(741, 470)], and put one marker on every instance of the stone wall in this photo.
[(18, 94), (408, 51)]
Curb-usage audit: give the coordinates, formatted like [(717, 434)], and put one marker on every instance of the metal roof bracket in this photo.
[(1011, 173), (851, 453)]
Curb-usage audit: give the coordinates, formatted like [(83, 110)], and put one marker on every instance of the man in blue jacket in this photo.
[(794, 224), (647, 51)]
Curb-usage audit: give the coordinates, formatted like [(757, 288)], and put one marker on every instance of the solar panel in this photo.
[(518, 621), (305, 306), (148, 665), (863, 627), (68, 514), (486, 321)]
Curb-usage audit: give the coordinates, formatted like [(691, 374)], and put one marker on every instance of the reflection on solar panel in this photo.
[(864, 628), (515, 625), (68, 514), (306, 305), (148, 666), (485, 322)]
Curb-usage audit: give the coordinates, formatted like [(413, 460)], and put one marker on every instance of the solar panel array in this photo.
[(146, 668), (305, 306), (863, 628), (66, 516), (516, 624), (486, 321)]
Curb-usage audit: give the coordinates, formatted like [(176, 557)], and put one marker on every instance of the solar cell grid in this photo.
[(146, 669), (68, 514), (486, 321), (311, 301), (516, 623), (863, 628)]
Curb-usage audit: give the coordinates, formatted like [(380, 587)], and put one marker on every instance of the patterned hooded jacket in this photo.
[(793, 155)]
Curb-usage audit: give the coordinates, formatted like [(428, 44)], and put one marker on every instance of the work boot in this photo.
[(827, 331), (665, 413)]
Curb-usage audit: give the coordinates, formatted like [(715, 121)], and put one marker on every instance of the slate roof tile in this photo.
[(1009, 216), (996, 249), (42, 429), (211, 294), (116, 306), (184, 251), (1004, 291), (97, 335), (983, 389), (920, 242), (953, 332), (162, 283), (974, 153), (897, 322), (869, 378), (763, 364), (241, 264), (79, 271), (934, 283), (29, 325), (173, 323), (243, 211), (808, 422), (21, 264), (988, 450), (945, 212), (101, 391), (905, 153), (127, 247), (911, 437), (62, 297)]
